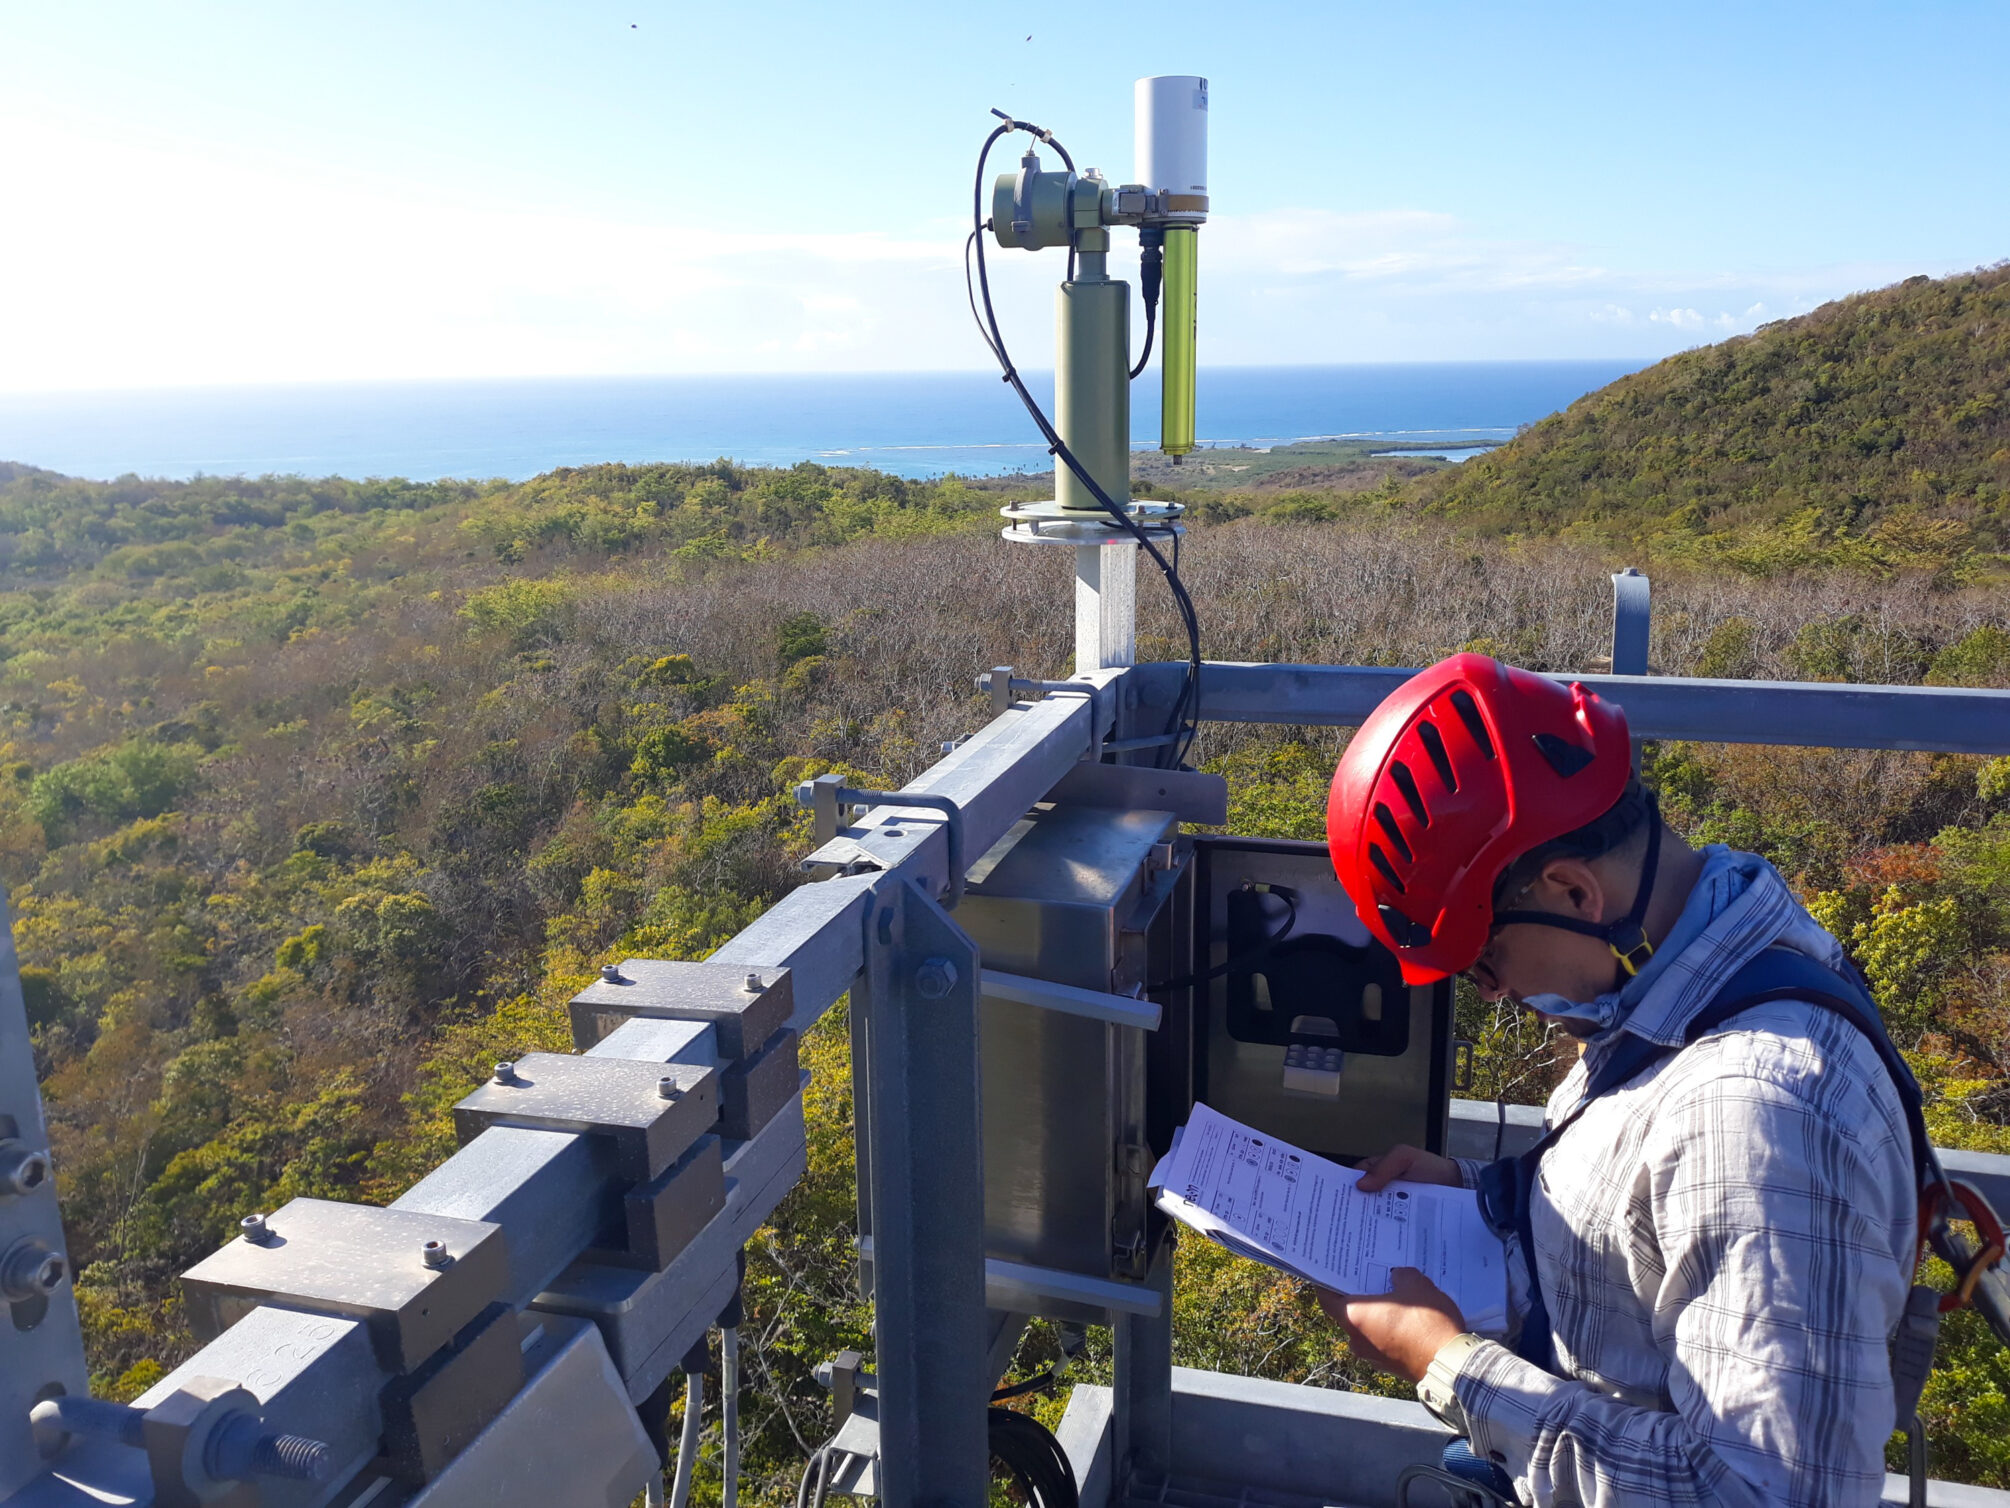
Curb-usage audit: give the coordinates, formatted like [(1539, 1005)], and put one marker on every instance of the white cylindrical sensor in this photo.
[(1171, 145)]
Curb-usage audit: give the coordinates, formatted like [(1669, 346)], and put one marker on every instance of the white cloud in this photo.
[(138, 264)]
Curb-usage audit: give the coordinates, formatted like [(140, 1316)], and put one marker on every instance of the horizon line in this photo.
[(299, 383)]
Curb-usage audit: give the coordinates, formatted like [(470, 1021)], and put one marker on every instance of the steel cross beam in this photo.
[(1955, 720)]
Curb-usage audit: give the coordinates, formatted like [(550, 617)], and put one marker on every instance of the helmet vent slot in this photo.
[(1412, 797), (1387, 819), (1434, 745), (1381, 862), (1408, 934), (1469, 714), (1565, 757)]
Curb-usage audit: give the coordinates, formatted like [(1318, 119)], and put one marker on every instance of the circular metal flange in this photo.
[(1048, 523)]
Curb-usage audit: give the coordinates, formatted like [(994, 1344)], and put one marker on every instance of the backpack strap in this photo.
[(1506, 1187), (1783, 974)]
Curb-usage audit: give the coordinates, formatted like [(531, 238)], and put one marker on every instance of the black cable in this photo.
[(1181, 728), (1245, 958), (1151, 273), (1038, 1382), (1145, 356), (1033, 1458)]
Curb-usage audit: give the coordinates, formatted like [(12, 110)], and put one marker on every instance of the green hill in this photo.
[(1873, 431)]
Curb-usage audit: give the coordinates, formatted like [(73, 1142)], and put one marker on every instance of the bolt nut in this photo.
[(506, 1071), (935, 978), (753, 985), (668, 1088), (23, 1169), (611, 972), (435, 1255), (254, 1229), (30, 1270)]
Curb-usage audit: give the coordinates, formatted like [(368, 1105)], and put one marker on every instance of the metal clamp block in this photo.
[(744, 1006), (664, 1214), (430, 1415), (750, 1092), (368, 1264), (652, 1112)]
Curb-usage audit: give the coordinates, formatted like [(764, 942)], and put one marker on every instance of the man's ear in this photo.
[(1574, 888)]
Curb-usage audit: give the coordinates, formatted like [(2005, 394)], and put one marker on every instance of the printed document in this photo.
[(1302, 1214)]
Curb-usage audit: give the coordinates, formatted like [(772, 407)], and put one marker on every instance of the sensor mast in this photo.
[(1036, 207)]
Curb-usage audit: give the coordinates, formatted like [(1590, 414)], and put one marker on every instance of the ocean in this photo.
[(912, 424)]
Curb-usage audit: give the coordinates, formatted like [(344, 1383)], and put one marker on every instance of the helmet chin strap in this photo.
[(1627, 937)]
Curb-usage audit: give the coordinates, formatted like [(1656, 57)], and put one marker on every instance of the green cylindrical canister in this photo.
[(1176, 344), (1092, 389)]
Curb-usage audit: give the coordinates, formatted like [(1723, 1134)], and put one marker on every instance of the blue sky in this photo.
[(208, 193)]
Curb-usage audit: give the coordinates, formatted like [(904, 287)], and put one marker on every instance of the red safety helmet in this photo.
[(1465, 768)]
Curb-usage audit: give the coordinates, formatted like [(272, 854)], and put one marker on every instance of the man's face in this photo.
[(1522, 960)]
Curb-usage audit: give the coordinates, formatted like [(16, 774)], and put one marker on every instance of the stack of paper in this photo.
[(1303, 1215)]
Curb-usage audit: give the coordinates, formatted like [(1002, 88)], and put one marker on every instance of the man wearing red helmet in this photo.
[(1716, 1236)]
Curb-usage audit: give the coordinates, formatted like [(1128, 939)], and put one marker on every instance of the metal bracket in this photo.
[(1190, 795), (415, 1279), (746, 1007), (664, 1215), (754, 1089), (431, 1415), (651, 1112), (826, 794)]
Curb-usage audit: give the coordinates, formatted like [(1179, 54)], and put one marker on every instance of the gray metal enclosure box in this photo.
[(1076, 896)]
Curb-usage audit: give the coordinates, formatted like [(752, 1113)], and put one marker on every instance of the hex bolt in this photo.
[(30, 1270), (254, 1229), (506, 1072), (935, 978), (611, 972), (435, 1255), (239, 1446), (668, 1088), (753, 985), (23, 1169)]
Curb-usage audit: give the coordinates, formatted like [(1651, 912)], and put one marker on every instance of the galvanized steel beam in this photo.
[(927, 1202), (1955, 720)]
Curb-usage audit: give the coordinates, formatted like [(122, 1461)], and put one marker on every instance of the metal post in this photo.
[(1106, 605), (1632, 621), (1092, 412), (1141, 1418), (924, 1141), (41, 1340)]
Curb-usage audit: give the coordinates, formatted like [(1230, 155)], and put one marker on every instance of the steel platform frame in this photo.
[(877, 929)]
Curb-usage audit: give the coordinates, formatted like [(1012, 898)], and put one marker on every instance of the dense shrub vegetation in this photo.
[(317, 797)]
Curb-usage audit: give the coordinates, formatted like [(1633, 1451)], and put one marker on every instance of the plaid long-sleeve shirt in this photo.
[(1725, 1245)]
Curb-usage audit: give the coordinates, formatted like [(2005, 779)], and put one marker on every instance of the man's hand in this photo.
[(1411, 1163), (1399, 1331)]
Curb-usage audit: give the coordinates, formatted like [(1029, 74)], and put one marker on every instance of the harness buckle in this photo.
[(1632, 954)]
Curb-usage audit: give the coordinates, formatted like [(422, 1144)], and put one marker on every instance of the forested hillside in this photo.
[(1872, 432), (316, 797)]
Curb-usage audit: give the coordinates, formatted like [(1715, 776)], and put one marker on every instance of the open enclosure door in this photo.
[(1302, 1024)]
